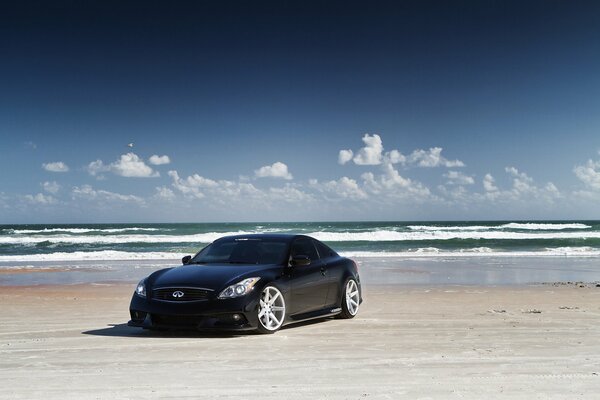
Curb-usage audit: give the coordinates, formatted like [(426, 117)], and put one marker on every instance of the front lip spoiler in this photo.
[(148, 324)]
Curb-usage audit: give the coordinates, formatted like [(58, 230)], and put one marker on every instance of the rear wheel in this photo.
[(271, 310), (350, 299)]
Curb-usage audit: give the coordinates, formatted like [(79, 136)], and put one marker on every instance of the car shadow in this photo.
[(123, 330)]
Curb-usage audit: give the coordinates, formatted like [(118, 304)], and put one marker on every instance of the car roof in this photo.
[(281, 236)]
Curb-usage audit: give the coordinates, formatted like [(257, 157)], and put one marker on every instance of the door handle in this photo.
[(323, 270)]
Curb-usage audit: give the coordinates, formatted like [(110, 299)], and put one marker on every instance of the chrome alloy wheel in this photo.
[(352, 297), (271, 311)]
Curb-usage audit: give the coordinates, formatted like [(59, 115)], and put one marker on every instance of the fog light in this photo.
[(236, 317)]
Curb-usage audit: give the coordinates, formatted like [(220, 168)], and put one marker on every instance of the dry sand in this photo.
[(542, 342)]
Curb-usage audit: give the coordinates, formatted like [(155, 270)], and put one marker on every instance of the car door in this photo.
[(309, 283), (330, 261)]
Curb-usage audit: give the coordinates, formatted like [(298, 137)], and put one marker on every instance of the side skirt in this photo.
[(325, 312)]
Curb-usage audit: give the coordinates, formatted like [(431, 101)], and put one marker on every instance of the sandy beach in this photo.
[(414, 342)]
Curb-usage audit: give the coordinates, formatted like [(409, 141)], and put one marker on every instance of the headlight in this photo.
[(241, 288), (140, 289)]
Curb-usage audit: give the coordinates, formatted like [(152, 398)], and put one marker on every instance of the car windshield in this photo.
[(243, 251)]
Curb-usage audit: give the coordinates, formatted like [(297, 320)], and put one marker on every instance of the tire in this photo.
[(350, 299), (270, 310)]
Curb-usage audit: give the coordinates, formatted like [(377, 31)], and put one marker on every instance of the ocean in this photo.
[(358, 239), (455, 252)]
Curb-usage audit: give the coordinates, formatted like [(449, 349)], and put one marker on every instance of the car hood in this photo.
[(210, 276)]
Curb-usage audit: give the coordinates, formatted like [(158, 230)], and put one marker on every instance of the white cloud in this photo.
[(432, 158), (489, 183), (395, 157), (521, 182), (523, 190), (458, 178), (289, 194), (344, 187), (371, 154), (87, 192), (131, 166), (128, 165), (164, 193), (40, 198), (344, 156), (95, 168), (589, 174), (51, 187), (392, 184), (57, 166), (193, 185), (159, 160), (277, 170)]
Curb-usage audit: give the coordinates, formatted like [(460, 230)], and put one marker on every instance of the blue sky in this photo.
[(252, 103)]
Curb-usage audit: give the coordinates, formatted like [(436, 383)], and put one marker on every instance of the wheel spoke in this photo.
[(274, 318), (272, 301), (277, 308)]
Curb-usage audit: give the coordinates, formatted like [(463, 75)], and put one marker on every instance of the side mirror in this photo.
[(299, 261), (186, 260)]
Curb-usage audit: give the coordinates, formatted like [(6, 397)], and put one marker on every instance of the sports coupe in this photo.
[(249, 282)]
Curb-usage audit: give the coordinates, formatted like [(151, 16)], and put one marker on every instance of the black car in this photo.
[(249, 282)]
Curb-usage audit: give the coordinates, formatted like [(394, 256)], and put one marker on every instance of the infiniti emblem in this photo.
[(178, 294)]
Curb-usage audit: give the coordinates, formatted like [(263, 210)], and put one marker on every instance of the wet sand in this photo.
[(413, 342)]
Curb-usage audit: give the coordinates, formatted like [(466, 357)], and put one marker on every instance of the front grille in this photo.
[(180, 294)]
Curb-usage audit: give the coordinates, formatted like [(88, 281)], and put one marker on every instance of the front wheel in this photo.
[(350, 299), (271, 310)]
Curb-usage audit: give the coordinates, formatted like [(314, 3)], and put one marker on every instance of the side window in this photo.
[(304, 247), (323, 250)]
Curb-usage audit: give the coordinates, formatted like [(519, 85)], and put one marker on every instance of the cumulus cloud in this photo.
[(192, 185), (51, 187), (95, 168), (87, 192), (40, 198), (344, 156), (164, 193), (277, 170), (523, 190), (289, 194), (57, 166), (395, 157), (489, 183), (458, 178), (129, 165), (159, 160), (372, 154), (344, 187), (432, 158), (393, 185), (589, 174)]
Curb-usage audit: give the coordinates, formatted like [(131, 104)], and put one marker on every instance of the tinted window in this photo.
[(243, 251), (323, 250), (304, 247)]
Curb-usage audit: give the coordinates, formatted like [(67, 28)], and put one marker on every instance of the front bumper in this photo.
[(238, 314)]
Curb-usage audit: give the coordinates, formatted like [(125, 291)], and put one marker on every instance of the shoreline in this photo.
[(485, 271)]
